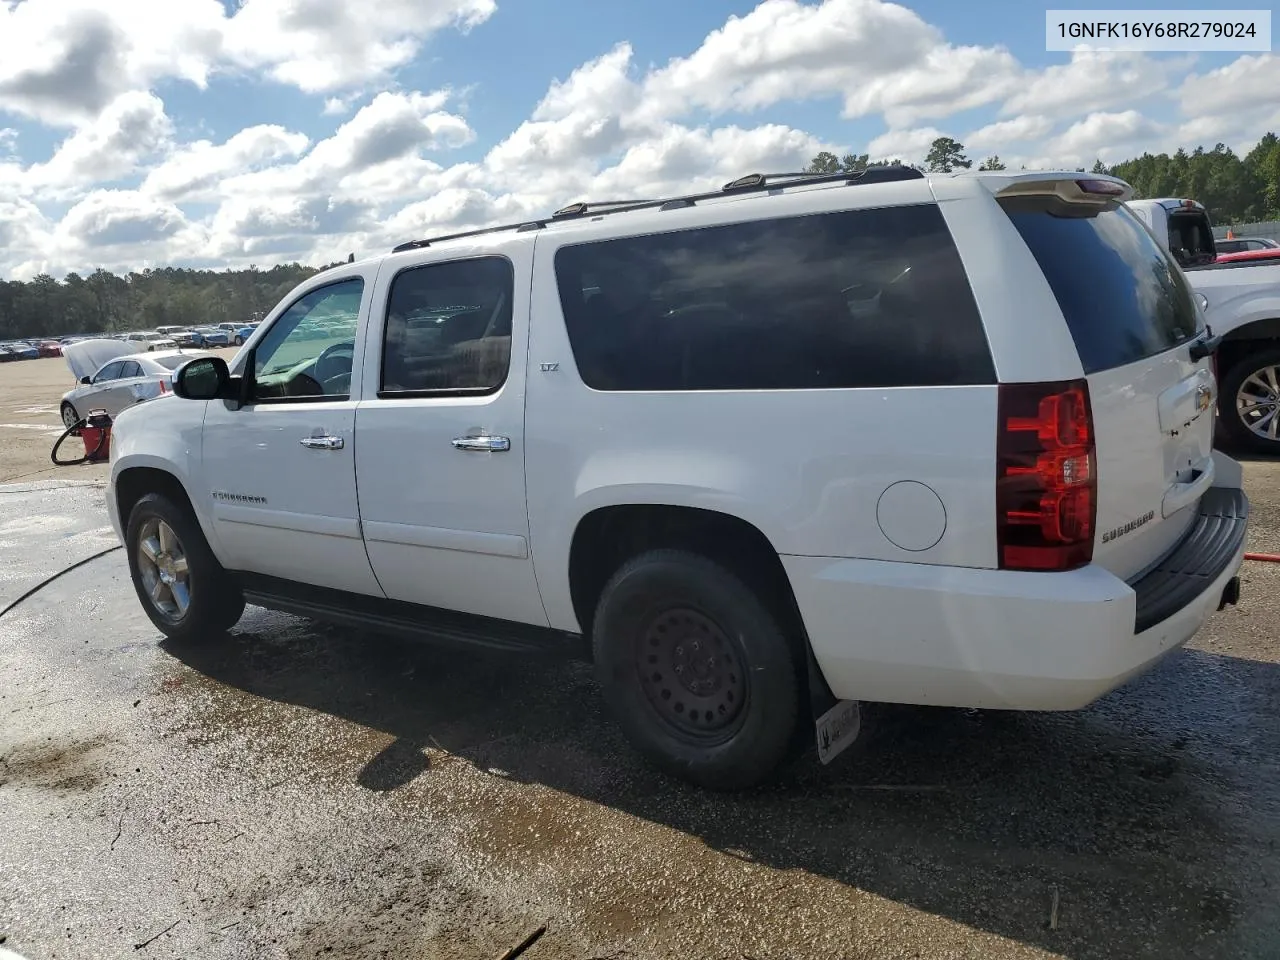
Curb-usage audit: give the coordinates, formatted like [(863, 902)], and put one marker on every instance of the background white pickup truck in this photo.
[(1241, 302)]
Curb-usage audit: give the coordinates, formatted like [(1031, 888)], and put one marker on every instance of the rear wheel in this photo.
[(69, 416), (697, 670), (184, 590), (1249, 402), (239, 340)]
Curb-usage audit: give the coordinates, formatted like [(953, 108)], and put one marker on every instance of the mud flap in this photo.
[(836, 722)]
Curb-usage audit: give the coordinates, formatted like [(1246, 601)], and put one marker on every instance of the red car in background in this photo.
[(1267, 253), (50, 348)]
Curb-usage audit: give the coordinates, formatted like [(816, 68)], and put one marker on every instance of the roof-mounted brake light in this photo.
[(1104, 188)]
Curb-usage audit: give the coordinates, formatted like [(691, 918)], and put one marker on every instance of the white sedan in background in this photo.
[(119, 378)]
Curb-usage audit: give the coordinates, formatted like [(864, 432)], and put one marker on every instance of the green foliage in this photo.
[(945, 154), (104, 303), (1233, 189), (992, 163)]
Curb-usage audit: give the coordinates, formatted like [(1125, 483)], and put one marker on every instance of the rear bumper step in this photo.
[(1207, 549)]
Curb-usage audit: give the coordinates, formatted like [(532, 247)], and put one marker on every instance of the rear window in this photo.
[(1121, 294), (175, 361), (862, 298)]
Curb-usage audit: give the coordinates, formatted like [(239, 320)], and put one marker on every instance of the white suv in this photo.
[(762, 453)]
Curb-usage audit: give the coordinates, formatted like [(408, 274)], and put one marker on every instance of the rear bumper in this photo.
[(953, 636)]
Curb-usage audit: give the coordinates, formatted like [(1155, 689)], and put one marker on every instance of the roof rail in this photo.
[(750, 183)]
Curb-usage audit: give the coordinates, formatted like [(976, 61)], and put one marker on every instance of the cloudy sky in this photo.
[(217, 133)]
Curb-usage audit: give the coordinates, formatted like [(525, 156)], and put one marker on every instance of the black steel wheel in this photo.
[(697, 669), (692, 673)]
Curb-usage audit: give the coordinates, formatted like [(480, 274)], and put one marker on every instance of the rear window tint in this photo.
[(1123, 297), (865, 298)]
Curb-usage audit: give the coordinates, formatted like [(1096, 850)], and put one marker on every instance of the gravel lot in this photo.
[(306, 791)]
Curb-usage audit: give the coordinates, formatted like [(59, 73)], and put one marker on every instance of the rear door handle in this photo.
[(323, 443), (483, 444)]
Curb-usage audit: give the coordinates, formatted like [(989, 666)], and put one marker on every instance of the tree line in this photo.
[(1234, 189), (104, 303)]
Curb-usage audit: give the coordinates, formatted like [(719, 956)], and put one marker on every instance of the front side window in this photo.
[(449, 328), (862, 298), (308, 351), (111, 371)]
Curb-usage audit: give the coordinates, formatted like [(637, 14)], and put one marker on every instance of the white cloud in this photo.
[(63, 61), (1110, 136), (907, 145), (1092, 81), (875, 56), (1233, 104), (195, 171), (133, 129), (325, 45), (113, 218), (1002, 132)]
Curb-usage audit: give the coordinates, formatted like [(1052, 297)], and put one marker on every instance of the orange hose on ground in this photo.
[(1263, 557)]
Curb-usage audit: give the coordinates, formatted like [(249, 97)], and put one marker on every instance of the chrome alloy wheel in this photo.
[(162, 564), (1258, 403)]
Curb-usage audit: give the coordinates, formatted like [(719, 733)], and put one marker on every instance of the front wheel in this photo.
[(182, 586), (1249, 402), (69, 416), (697, 670), (239, 340)]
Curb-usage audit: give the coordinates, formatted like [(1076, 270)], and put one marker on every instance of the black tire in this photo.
[(1231, 420), (239, 340), (667, 594), (215, 603), (68, 413)]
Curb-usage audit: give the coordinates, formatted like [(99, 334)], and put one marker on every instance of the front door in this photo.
[(440, 457), (280, 471)]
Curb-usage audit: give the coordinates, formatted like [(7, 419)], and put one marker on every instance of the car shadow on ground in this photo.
[(1153, 814)]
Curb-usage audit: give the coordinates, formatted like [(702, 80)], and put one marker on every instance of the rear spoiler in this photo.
[(1070, 187)]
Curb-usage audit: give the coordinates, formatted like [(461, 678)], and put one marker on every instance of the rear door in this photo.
[(1133, 319)]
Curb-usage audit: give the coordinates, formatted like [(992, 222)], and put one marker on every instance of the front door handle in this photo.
[(323, 443), (483, 444)]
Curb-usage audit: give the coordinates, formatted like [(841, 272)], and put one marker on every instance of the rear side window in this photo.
[(865, 298), (449, 328), (1123, 298)]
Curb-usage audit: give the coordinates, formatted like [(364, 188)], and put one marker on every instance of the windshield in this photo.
[(1122, 295)]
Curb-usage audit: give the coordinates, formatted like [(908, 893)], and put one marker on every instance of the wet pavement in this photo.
[(307, 791)]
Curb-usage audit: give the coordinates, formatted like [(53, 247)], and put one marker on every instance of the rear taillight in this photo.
[(1046, 476)]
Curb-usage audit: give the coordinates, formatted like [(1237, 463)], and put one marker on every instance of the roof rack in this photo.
[(750, 183)]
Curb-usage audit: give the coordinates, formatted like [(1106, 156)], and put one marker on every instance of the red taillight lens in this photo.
[(1046, 480)]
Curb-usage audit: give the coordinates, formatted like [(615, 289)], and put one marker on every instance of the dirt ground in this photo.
[(298, 790), (30, 392)]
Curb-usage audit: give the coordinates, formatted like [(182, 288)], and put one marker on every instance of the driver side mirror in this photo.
[(206, 378), (86, 380)]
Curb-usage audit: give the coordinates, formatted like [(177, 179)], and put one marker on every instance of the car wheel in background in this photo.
[(69, 416), (1249, 402)]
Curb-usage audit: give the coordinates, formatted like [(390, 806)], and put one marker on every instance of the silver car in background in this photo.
[(120, 380)]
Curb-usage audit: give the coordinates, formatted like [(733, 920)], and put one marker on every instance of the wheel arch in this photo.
[(136, 476), (608, 536)]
